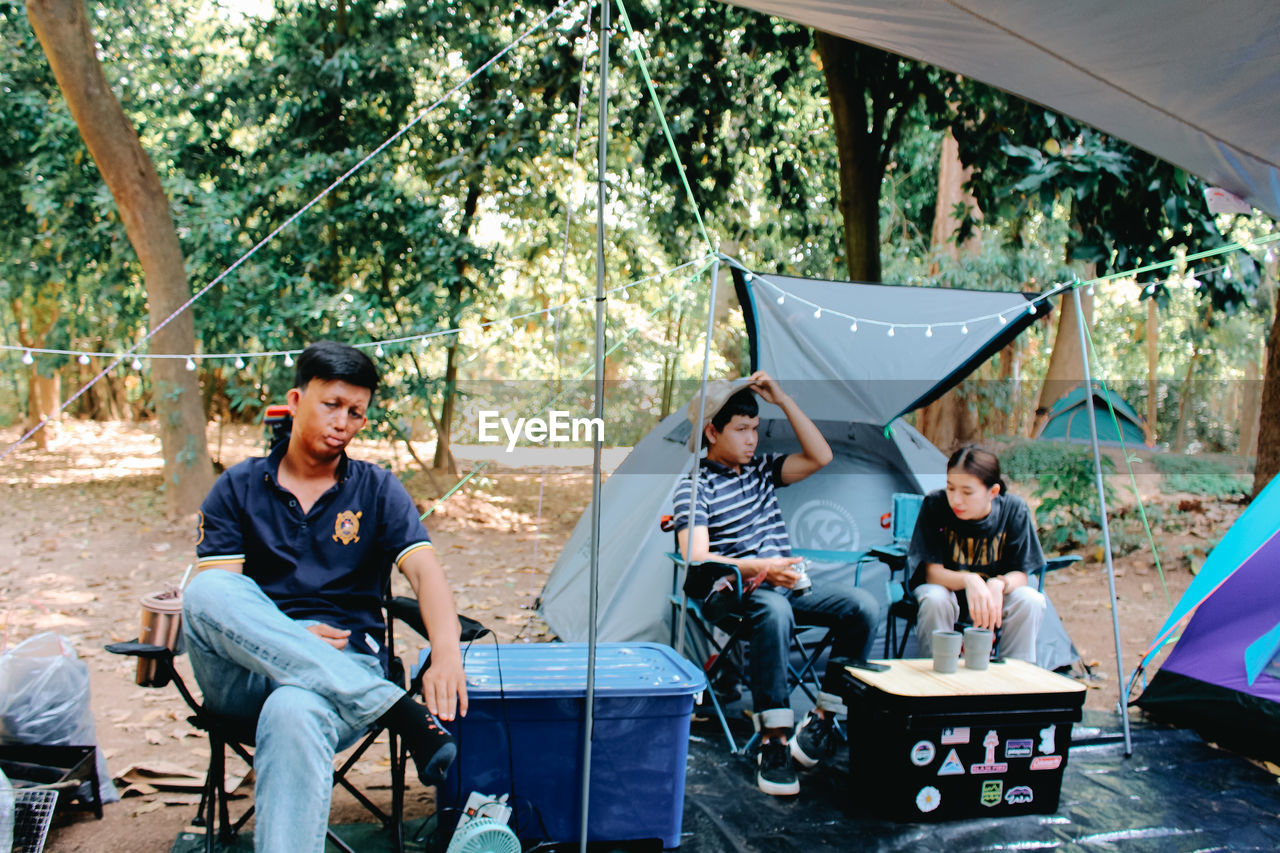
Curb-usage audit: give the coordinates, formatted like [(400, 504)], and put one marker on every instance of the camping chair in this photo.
[(719, 654), (902, 603), (213, 812)]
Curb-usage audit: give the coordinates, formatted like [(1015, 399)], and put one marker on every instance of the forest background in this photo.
[(465, 248)]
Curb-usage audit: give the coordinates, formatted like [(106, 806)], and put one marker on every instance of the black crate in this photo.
[(929, 747)]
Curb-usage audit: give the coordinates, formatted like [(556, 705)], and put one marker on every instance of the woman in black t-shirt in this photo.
[(971, 553)]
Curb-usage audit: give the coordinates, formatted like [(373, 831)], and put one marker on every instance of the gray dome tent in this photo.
[(854, 385)]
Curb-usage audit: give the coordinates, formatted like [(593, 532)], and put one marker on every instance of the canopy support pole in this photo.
[(593, 587), (1123, 706), (697, 458)]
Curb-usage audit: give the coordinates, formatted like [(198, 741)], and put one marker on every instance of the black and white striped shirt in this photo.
[(738, 508)]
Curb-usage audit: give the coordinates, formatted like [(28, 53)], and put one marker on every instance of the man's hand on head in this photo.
[(336, 637)]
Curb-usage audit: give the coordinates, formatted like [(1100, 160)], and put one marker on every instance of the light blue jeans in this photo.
[(310, 700)]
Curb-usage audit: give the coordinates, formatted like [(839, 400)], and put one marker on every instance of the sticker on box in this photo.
[(1019, 796), (928, 799), (1046, 739), (989, 764), (1046, 762), (951, 765), (959, 734), (991, 792), (1021, 748), (922, 753)]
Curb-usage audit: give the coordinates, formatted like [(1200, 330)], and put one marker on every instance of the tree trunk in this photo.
[(63, 31), (858, 156), (1184, 398), (1250, 402), (950, 421), (1268, 461), (1066, 370), (44, 393), (444, 424), (1153, 374)]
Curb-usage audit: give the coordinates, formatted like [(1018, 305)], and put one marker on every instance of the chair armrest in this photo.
[(1052, 565), (406, 610), (138, 650)]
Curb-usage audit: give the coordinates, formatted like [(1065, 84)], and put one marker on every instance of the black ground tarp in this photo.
[(1174, 794)]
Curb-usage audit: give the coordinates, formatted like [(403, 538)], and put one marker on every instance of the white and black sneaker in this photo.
[(775, 775), (815, 741)]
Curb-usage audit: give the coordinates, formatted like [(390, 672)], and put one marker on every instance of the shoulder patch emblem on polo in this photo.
[(346, 527)]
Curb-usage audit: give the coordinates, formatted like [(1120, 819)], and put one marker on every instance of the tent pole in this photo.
[(593, 587), (697, 457), (1106, 531)]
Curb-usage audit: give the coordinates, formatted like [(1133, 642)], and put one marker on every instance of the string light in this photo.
[(28, 358), (1032, 309), (964, 330), (378, 351), (239, 363), (928, 332), (1151, 288), (781, 298), (1089, 290), (817, 313), (288, 360), (83, 359), (137, 364), (1192, 280), (191, 364), (891, 331), (1003, 320), (853, 327)]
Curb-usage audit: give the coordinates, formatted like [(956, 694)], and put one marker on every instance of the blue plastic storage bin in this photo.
[(523, 736)]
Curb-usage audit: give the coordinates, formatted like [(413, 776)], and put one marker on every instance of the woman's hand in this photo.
[(984, 602)]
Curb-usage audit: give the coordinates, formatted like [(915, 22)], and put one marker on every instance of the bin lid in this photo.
[(559, 670), (915, 677)]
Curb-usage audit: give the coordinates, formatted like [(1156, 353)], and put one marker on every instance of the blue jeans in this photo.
[(310, 700), (773, 615)]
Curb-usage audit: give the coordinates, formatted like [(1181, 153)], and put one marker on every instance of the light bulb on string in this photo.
[(1089, 290), (1192, 280), (378, 350), (781, 298), (239, 363), (1003, 320), (1151, 288), (288, 360), (891, 331), (83, 359), (817, 313), (853, 327), (137, 364), (1032, 309), (191, 364), (28, 358), (928, 332), (1226, 273), (748, 276), (964, 330)]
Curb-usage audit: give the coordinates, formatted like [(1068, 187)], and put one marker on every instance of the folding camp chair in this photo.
[(715, 640), (225, 733), (902, 603)]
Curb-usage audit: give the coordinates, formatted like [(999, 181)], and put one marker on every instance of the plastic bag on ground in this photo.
[(44, 699)]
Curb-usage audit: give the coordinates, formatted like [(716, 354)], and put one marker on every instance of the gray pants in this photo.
[(1019, 622)]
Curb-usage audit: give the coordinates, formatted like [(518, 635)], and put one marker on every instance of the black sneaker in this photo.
[(814, 741), (774, 773)]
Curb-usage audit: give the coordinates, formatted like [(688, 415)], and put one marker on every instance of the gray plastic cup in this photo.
[(977, 647), (946, 651)]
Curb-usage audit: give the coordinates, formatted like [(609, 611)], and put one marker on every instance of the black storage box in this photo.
[(924, 746)]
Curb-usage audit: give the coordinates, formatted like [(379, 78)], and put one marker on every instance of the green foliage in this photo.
[(1066, 484), (1202, 475)]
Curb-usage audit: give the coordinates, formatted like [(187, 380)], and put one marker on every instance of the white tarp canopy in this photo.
[(1194, 82)]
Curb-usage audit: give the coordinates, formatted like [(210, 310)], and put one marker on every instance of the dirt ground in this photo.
[(83, 536)]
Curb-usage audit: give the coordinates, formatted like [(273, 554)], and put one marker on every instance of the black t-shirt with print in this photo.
[(1004, 541)]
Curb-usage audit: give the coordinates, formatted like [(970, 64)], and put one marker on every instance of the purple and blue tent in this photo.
[(1223, 676)]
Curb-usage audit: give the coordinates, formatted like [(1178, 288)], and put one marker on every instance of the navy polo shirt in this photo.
[(329, 564)]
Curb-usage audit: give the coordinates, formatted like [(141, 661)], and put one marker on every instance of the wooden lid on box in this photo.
[(915, 677)]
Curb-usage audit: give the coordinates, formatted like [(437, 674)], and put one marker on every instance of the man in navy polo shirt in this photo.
[(738, 521), (284, 625)]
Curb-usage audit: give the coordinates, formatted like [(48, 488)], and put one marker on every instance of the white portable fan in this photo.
[(484, 835)]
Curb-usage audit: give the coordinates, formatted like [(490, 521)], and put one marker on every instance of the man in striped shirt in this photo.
[(737, 521)]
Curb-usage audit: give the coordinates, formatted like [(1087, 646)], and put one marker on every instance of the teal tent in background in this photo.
[(1069, 420)]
